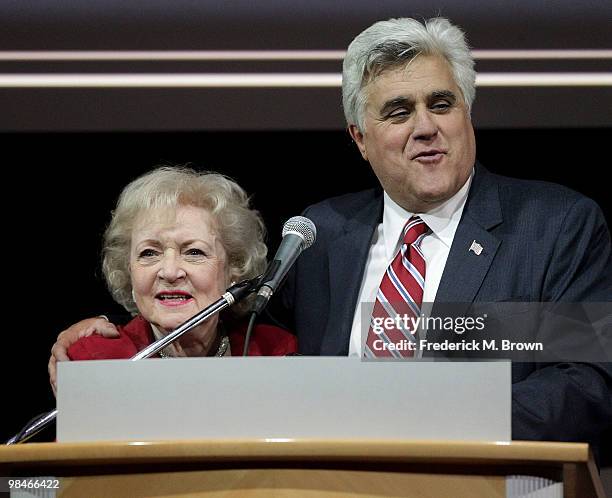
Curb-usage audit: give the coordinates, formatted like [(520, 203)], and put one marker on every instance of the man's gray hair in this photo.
[(394, 43), (239, 227)]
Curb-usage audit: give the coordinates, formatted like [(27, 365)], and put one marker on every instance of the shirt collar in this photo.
[(442, 220)]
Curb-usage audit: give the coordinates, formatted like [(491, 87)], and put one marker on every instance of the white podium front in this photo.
[(282, 397)]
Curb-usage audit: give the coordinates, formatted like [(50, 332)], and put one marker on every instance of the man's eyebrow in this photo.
[(389, 105), (443, 94)]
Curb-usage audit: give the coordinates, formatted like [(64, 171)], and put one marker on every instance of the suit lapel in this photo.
[(467, 264), (347, 256), (465, 269)]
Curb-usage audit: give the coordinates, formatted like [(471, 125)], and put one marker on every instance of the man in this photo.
[(407, 93)]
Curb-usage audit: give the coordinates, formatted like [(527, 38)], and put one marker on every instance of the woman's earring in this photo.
[(133, 296)]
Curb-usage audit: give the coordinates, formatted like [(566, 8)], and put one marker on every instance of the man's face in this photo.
[(418, 134)]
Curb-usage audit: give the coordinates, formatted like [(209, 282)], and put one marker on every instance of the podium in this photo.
[(301, 468)]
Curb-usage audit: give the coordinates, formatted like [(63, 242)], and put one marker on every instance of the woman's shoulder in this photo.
[(133, 337), (266, 340)]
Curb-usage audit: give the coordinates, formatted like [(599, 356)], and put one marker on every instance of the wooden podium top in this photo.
[(292, 467), (523, 452)]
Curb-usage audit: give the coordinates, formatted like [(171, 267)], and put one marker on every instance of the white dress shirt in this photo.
[(442, 222)]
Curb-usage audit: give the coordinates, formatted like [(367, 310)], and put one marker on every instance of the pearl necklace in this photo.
[(221, 350)]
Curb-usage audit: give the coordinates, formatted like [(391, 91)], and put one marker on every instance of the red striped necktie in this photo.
[(400, 295)]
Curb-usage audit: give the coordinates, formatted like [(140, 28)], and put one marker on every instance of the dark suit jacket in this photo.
[(542, 242)]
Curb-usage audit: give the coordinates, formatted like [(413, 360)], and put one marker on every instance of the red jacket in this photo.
[(266, 340)]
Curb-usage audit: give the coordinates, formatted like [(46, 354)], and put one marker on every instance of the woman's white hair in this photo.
[(239, 227), (394, 43)]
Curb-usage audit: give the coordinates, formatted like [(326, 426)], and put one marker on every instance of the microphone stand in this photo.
[(232, 295)]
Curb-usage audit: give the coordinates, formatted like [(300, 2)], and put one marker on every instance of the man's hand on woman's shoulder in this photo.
[(84, 328)]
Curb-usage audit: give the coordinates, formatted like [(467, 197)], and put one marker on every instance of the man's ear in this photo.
[(357, 136)]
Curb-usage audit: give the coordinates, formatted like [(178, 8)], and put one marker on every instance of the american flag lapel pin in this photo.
[(476, 248)]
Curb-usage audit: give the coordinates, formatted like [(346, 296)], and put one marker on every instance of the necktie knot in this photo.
[(414, 228)]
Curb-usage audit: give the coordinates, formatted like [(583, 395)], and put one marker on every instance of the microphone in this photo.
[(299, 233)]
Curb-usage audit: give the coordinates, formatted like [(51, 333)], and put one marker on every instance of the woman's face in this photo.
[(178, 266)]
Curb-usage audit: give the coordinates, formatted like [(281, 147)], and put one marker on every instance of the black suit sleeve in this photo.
[(570, 401)]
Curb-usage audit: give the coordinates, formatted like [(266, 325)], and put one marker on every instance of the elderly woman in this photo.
[(177, 239)]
